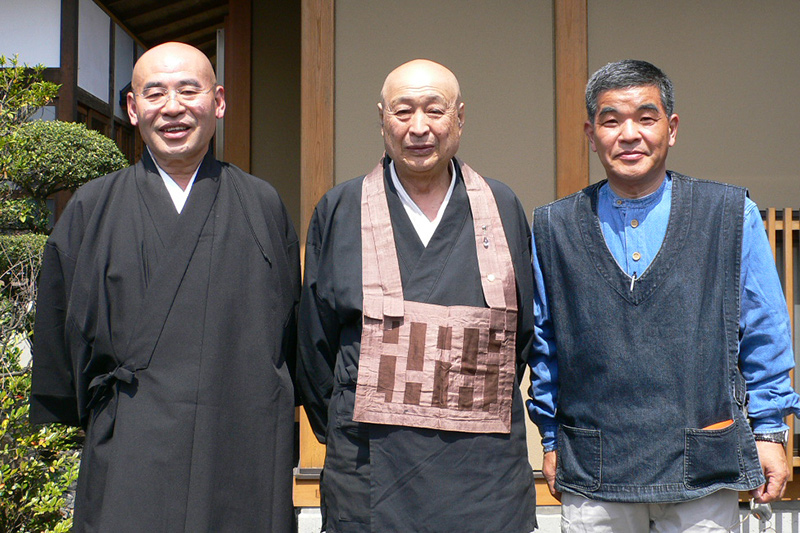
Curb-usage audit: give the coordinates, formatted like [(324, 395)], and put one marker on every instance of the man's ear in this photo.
[(219, 101), (461, 115), (673, 129), (380, 116), (131, 101), (588, 129)]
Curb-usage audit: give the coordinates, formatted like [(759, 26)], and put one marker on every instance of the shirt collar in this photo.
[(608, 195)]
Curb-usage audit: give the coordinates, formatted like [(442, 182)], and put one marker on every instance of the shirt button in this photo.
[(490, 277), (634, 223), (619, 202), (636, 256)]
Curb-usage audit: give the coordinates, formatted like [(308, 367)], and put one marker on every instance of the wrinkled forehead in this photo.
[(638, 95), (420, 94)]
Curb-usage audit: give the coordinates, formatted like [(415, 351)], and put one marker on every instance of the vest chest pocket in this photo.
[(580, 456), (712, 456)]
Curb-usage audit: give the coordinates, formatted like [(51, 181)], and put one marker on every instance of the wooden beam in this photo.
[(167, 30), (571, 73), (67, 102), (316, 102), (89, 100), (312, 458), (68, 94), (305, 492), (543, 496), (238, 71), (195, 33)]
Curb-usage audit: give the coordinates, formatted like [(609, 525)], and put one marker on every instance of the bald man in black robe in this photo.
[(166, 325), (407, 401)]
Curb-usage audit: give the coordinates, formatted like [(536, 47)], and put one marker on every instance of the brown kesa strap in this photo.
[(383, 287), (494, 256)]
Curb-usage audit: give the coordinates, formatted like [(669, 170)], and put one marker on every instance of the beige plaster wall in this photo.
[(736, 69), (502, 53)]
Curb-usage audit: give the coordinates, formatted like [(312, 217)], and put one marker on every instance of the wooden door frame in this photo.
[(570, 23)]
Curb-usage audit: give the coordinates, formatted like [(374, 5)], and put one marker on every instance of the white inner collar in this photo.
[(424, 227), (178, 195)]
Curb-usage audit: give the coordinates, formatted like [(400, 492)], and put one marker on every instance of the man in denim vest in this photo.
[(661, 365)]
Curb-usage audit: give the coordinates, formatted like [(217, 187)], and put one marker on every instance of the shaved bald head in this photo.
[(422, 73), (173, 57)]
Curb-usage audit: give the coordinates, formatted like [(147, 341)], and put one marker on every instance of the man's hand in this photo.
[(549, 464), (776, 470)]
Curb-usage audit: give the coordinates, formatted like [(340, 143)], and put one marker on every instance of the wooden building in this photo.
[(302, 78)]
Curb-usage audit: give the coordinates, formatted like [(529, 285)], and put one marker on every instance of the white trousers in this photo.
[(716, 512)]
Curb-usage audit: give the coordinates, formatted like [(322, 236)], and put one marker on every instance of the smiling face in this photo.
[(177, 133), (631, 133), (421, 119)]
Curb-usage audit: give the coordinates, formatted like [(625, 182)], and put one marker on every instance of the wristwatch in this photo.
[(781, 437)]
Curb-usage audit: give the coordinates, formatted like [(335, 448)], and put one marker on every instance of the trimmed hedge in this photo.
[(45, 156)]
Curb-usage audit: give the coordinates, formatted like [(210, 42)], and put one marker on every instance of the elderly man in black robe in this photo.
[(165, 325), (416, 322)]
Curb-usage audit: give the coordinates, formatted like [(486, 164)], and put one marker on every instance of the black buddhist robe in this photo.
[(391, 478), (171, 338)]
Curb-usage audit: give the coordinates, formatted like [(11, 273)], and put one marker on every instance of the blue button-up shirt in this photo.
[(634, 230)]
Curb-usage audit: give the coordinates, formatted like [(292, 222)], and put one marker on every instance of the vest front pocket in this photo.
[(712, 456), (580, 455)]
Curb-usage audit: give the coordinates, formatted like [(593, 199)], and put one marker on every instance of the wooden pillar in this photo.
[(68, 94), (316, 177), (238, 71), (571, 73), (67, 104), (316, 103), (112, 100)]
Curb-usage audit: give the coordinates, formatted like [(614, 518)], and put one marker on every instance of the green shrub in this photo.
[(22, 92), (38, 465), (44, 157), (22, 214)]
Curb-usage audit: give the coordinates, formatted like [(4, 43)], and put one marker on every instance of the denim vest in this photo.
[(644, 367)]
